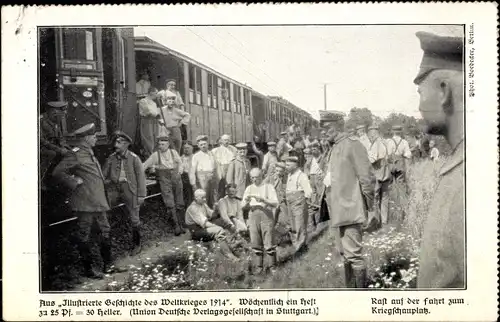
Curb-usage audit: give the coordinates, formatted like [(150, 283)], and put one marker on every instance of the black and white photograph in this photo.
[(227, 157), (256, 162)]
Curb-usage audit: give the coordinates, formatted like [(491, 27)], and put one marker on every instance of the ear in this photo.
[(446, 96)]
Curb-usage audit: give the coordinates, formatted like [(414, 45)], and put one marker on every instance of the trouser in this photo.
[(282, 215), (175, 138), (187, 189), (206, 181), (261, 227), (207, 234), (222, 182), (314, 207), (131, 203), (85, 221), (297, 210), (354, 264), (382, 200), (172, 194), (149, 134)]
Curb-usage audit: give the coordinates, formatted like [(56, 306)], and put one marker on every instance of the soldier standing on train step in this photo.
[(166, 164), (270, 159), (52, 142), (204, 172), (377, 155), (172, 118), (223, 155), (238, 170), (441, 89), (261, 200), (298, 194), (124, 175), (149, 113), (80, 171), (351, 185)]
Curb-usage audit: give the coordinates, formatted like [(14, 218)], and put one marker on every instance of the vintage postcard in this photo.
[(264, 162)]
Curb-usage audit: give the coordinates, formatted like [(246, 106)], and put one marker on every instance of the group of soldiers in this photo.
[(339, 176)]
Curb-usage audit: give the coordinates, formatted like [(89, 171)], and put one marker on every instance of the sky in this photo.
[(362, 66)]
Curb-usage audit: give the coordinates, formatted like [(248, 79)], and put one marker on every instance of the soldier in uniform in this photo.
[(316, 177), (278, 180), (124, 175), (270, 159), (204, 172), (166, 164), (171, 118), (52, 143), (238, 170), (351, 185), (223, 155), (441, 88), (80, 171)]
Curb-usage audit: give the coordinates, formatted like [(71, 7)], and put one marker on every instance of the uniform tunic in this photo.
[(88, 199), (127, 178), (51, 143), (270, 160), (237, 173), (442, 260)]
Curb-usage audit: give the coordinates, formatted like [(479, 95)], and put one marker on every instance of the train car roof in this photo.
[(143, 43)]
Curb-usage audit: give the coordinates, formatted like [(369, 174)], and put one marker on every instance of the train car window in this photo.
[(78, 44), (192, 83), (237, 98), (198, 86), (246, 100), (215, 92), (209, 89)]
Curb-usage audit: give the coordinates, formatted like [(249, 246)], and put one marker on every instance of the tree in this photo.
[(359, 116)]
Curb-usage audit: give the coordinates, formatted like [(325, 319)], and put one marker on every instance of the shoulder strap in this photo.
[(159, 157), (397, 144), (163, 117)]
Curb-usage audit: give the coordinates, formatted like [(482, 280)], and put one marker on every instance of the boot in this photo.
[(349, 276), (136, 240), (88, 271), (227, 251), (177, 227), (182, 221), (271, 262), (360, 277), (258, 263), (108, 267)]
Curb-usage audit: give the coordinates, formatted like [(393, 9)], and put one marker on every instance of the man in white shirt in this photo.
[(166, 164), (204, 174), (434, 151), (261, 199), (171, 86), (270, 159), (298, 193), (148, 111), (223, 155), (142, 86), (199, 221), (399, 153), (316, 176), (171, 118), (377, 154), (363, 138)]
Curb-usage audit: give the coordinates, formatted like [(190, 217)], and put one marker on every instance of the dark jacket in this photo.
[(352, 187), (80, 162), (51, 136), (134, 172)]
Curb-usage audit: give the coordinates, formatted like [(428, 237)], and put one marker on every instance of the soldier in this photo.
[(149, 113), (283, 147), (278, 180), (298, 194), (80, 171), (143, 85), (204, 173), (172, 118), (166, 164), (316, 176), (363, 138), (238, 171), (123, 173), (261, 199), (441, 89), (187, 158), (170, 85), (223, 154), (270, 159), (230, 211), (351, 187), (399, 153), (377, 155), (52, 143), (307, 161), (199, 222)]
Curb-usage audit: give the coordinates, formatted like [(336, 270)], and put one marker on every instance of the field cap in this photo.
[(271, 143), (330, 116), (241, 146), (307, 151), (85, 130), (360, 127), (122, 136), (292, 159), (163, 139), (225, 136), (60, 105), (373, 127), (280, 165), (201, 138), (170, 80), (284, 133), (440, 52)]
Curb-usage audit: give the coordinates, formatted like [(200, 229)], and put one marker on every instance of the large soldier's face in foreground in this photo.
[(433, 99)]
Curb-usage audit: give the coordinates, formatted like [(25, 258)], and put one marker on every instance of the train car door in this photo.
[(80, 77)]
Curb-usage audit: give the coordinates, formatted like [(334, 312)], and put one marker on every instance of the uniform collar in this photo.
[(122, 156), (340, 137), (86, 147), (457, 157)]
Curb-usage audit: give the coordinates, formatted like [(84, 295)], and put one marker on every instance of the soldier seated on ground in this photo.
[(230, 212), (200, 222)]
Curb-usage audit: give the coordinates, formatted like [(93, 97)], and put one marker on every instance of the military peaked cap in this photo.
[(280, 165), (439, 53), (271, 143), (292, 159), (241, 146), (359, 127), (163, 139), (284, 133), (170, 80), (307, 151), (85, 130), (120, 135), (330, 116), (61, 105), (201, 138)]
